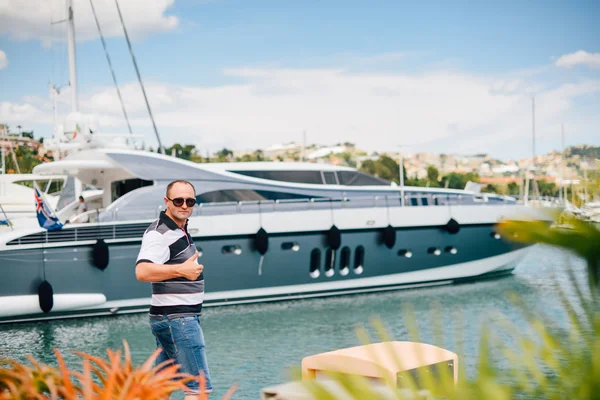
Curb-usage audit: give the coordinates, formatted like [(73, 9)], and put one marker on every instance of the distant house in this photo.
[(324, 152)]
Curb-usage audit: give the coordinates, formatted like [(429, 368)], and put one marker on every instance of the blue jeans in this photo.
[(181, 340)]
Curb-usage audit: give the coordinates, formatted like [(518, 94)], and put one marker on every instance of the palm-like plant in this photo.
[(101, 379), (548, 363), (571, 234)]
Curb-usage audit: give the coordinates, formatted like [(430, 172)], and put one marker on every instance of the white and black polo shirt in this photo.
[(166, 243)]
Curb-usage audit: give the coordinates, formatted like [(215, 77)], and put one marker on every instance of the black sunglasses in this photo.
[(178, 201)]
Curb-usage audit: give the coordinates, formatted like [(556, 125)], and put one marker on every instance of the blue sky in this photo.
[(244, 74)]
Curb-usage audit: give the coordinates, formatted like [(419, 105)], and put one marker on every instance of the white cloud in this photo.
[(580, 57), (11, 113), (506, 86), (3, 60), (438, 111), (30, 19)]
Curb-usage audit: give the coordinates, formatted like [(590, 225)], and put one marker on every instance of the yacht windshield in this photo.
[(346, 178)]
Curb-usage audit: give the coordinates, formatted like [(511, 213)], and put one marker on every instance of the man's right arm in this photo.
[(151, 267), (147, 271)]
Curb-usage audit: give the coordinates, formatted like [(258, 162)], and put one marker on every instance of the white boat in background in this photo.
[(591, 211), (16, 193)]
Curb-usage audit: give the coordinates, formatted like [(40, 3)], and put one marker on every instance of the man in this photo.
[(82, 208), (168, 259)]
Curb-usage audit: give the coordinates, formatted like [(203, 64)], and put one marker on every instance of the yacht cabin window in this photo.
[(329, 178), (311, 177), (224, 196), (355, 178), (347, 178), (120, 188), (48, 186)]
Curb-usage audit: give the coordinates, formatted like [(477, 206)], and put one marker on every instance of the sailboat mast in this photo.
[(2, 156), (562, 162), (533, 130), (533, 171), (71, 50)]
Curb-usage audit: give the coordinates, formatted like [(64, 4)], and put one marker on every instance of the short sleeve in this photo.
[(154, 249)]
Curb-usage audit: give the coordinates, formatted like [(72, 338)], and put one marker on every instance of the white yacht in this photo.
[(265, 231)]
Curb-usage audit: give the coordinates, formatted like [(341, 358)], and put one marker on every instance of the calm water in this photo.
[(256, 346)]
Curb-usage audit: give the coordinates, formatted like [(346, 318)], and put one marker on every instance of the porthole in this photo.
[(329, 262), (232, 249), (359, 260), (293, 246), (345, 261), (405, 253), (434, 250), (451, 250), (315, 263)]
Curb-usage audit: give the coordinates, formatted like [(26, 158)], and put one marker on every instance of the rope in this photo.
[(43, 262), (110, 66), (387, 208), (137, 71)]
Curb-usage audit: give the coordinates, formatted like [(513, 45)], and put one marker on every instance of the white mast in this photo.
[(71, 48), (72, 74), (401, 172), (3, 162), (562, 162)]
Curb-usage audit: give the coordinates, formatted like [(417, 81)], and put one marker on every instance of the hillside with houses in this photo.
[(572, 169)]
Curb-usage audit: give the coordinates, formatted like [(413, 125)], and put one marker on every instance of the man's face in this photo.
[(184, 191)]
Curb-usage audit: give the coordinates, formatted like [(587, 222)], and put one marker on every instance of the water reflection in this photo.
[(255, 345)]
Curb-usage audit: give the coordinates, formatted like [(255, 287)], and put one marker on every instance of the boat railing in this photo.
[(339, 202), (299, 204), (110, 227)]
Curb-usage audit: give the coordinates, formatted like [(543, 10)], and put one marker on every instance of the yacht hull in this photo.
[(234, 277)]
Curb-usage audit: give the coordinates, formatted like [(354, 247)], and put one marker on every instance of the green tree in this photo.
[(388, 168), (368, 166), (547, 188), (258, 155), (224, 155), (512, 188), (433, 175), (27, 159), (455, 180), (490, 188), (348, 158), (182, 151)]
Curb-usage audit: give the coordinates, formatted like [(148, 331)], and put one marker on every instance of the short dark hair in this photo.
[(170, 185), (81, 198)]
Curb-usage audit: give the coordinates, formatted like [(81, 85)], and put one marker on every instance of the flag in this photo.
[(44, 215)]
